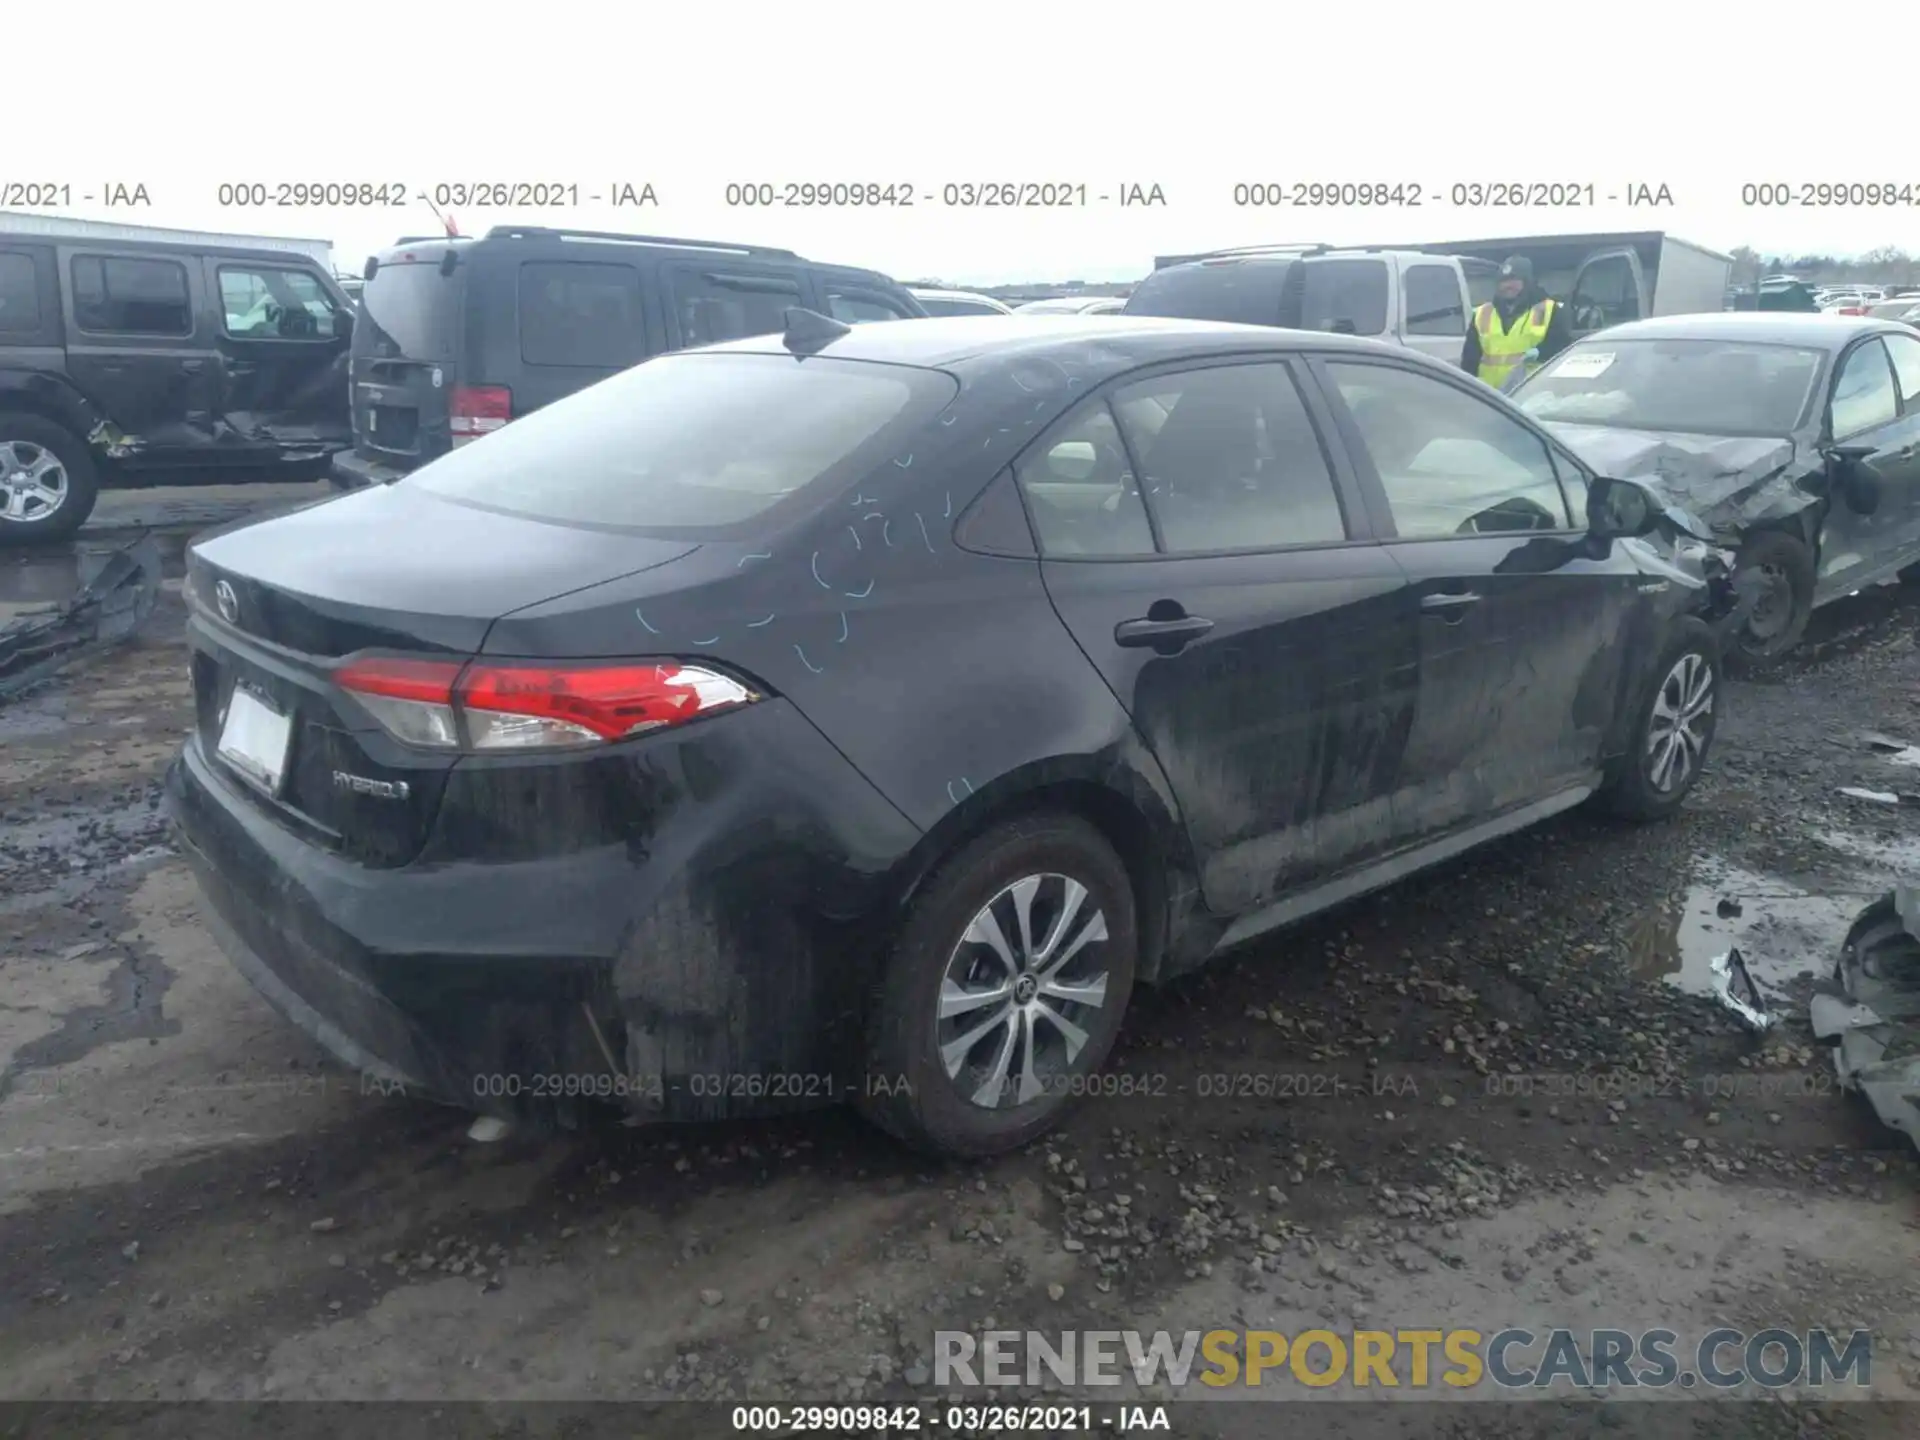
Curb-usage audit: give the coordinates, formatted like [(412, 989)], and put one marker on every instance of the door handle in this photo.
[(234, 368), (1174, 633), (193, 367), (1449, 607)]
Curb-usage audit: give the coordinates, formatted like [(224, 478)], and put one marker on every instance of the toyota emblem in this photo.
[(228, 602)]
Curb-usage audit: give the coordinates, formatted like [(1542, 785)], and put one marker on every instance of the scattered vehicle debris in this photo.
[(1869, 1010), (1877, 797), (39, 640), (1733, 987), (1894, 752)]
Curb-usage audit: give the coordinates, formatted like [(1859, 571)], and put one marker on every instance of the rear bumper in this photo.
[(684, 979), (354, 471)]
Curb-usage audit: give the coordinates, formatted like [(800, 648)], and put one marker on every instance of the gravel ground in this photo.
[(1491, 1096)]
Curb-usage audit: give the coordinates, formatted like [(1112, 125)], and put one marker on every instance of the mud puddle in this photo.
[(1782, 930)]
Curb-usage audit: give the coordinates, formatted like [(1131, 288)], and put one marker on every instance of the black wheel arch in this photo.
[(1636, 686), (1119, 801), (53, 398)]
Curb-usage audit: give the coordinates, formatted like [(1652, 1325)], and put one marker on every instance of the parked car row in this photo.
[(140, 361), (136, 362)]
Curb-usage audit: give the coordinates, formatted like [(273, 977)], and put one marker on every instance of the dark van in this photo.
[(458, 336), (138, 362)]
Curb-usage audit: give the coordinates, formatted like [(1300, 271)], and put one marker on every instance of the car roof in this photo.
[(1762, 327), (551, 242), (172, 249), (1123, 341)]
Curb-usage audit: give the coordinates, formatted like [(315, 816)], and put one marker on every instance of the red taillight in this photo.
[(476, 410), (443, 705)]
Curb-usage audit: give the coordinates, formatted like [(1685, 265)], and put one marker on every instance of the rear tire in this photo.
[(1781, 565), (48, 483), (1673, 728), (941, 1074)]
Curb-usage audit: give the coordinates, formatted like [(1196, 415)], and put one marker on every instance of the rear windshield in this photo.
[(409, 311), (1249, 293), (1710, 387), (705, 445)]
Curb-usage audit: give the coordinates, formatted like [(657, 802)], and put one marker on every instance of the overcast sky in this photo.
[(1194, 98)]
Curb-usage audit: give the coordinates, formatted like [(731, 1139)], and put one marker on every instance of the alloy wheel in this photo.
[(33, 482), (1022, 991), (1681, 723)]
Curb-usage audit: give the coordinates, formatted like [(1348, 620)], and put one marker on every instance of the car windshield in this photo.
[(1713, 387), (700, 445)]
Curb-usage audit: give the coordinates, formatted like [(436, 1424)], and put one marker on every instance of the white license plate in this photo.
[(254, 739)]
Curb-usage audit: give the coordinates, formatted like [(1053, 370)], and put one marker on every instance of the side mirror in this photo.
[(1073, 460), (1621, 509), (1852, 478)]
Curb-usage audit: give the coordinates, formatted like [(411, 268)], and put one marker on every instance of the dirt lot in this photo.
[(1492, 1096)]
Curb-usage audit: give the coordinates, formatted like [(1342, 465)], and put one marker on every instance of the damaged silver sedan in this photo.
[(1796, 438)]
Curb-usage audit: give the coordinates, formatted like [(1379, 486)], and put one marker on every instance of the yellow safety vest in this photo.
[(1501, 350)]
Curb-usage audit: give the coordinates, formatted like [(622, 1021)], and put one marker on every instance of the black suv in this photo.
[(135, 362), (459, 336)]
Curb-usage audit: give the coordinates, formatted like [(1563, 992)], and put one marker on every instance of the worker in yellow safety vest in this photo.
[(1521, 325)]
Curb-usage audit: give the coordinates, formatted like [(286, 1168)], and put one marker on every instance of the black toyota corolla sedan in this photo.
[(862, 713), (1796, 438)]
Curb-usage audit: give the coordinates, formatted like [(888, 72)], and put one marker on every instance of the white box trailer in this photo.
[(61, 227), (1608, 278)]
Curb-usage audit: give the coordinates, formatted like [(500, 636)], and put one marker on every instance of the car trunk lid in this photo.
[(278, 604)]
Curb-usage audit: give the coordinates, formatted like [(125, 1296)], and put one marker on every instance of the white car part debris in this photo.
[(1733, 987), (1869, 1011), (487, 1129), (1878, 797)]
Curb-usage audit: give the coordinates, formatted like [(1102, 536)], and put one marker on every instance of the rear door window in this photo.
[(581, 314), (1345, 297), (1081, 491), (115, 295), (1431, 296), (731, 303), (19, 293), (1232, 461), (700, 445)]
